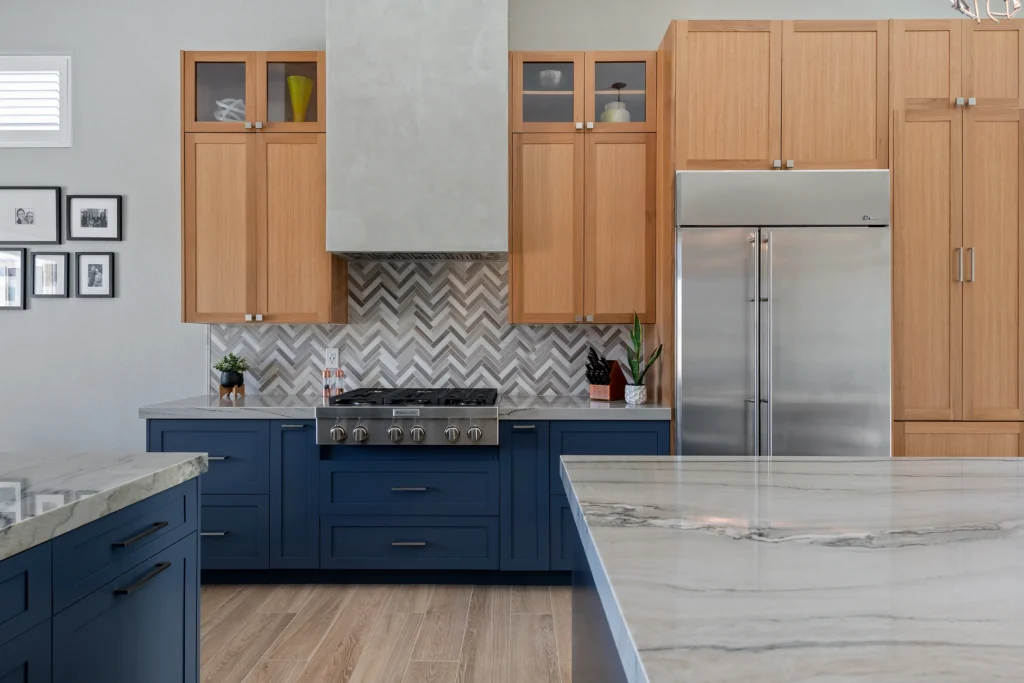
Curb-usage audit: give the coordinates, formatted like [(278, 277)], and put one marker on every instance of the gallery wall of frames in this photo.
[(34, 221)]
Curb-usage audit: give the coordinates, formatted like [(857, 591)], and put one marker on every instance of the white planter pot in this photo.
[(636, 395)]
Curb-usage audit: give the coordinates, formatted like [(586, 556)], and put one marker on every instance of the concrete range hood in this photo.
[(417, 129)]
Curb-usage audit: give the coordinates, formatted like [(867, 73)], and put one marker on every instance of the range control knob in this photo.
[(452, 433), (338, 433), (395, 433), (417, 433), (360, 434), (475, 433)]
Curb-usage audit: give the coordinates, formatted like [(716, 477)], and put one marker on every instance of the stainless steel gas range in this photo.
[(410, 417)]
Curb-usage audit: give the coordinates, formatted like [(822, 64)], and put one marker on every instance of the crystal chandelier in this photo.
[(1011, 8)]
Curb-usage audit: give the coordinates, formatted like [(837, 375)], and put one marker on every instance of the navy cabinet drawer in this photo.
[(90, 556), (26, 659), (563, 534), (409, 543), (235, 532), (604, 438), (24, 592), (392, 487), (139, 627), (239, 451)]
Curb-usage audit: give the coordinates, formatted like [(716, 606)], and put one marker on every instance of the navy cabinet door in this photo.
[(235, 532), (523, 460), (584, 437), (139, 627), (239, 451), (26, 659), (294, 465), (25, 592), (563, 534)]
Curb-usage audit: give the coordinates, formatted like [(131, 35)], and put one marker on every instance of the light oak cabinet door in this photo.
[(219, 240), (994, 252), (993, 64), (957, 439), (728, 94), (621, 79), (835, 94), (297, 279), (218, 92), (619, 236), (546, 264), (547, 92), (927, 221), (276, 109)]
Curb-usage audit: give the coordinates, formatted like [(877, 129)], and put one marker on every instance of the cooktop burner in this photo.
[(417, 397)]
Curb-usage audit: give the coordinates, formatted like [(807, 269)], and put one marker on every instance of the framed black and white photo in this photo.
[(30, 215), (44, 502), (12, 279), (94, 274), (10, 502), (94, 217), (50, 276)]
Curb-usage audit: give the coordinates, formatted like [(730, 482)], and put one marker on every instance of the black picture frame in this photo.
[(57, 216), (78, 275), (67, 274), (69, 223), (24, 281)]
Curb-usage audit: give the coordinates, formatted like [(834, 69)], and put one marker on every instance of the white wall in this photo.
[(73, 372), (640, 24)]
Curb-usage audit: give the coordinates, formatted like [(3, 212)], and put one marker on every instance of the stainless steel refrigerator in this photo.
[(783, 322)]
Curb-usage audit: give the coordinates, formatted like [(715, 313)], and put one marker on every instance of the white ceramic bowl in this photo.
[(550, 78)]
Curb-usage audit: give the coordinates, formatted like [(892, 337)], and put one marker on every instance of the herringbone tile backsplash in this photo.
[(419, 325)]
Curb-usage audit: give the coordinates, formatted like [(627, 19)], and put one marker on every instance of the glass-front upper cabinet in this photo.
[(291, 93), (547, 92), (218, 91), (226, 92), (621, 91)]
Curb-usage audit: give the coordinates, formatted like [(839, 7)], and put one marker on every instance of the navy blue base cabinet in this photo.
[(295, 470), (524, 457), (27, 658)]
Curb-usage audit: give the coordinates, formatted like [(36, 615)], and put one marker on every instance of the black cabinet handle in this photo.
[(408, 544), (409, 489), (160, 568), (135, 539)]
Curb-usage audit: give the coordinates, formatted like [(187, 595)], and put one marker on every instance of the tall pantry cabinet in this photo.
[(958, 246), (254, 240)]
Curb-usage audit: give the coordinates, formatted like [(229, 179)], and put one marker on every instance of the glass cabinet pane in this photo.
[(620, 92), (220, 91), (548, 92), (292, 91)]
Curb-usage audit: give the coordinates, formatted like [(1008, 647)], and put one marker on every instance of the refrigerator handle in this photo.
[(769, 389), (755, 279)]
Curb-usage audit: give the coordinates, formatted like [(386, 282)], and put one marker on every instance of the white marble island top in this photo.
[(44, 495), (731, 569)]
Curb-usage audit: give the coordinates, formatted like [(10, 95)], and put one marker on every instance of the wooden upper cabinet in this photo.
[(958, 439), (297, 279), (835, 94), (219, 241), (925, 65), (620, 225), (728, 94), (546, 264), (218, 91), (994, 253), (290, 92), (548, 92), (993, 64), (621, 92)]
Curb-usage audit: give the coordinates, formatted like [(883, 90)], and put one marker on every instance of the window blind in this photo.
[(34, 101)]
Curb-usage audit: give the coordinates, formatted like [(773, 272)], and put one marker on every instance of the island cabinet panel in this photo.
[(235, 532), (239, 451), (563, 534), (141, 626), (958, 439), (294, 462), (24, 591), (27, 658), (523, 456)]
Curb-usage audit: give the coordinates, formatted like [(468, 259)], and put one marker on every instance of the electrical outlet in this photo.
[(331, 359)]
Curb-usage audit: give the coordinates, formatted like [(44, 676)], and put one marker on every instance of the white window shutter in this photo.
[(35, 101)]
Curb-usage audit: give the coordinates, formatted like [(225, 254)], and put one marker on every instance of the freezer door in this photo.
[(826, 296), (716, 341)]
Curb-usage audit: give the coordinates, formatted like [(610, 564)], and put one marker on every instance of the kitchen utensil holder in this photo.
[(615, 390)]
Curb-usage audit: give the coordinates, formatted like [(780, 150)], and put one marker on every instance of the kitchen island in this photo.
[(737, 569), (99, 558)]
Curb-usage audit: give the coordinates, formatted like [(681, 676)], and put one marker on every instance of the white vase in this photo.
[(636, 394)]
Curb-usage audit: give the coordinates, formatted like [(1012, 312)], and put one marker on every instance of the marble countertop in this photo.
[(45, 495), (281, 407), (731, 569)]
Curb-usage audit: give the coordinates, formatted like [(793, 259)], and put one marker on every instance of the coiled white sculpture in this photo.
[(1011, 8)]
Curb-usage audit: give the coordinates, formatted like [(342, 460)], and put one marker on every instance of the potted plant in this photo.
[(231, 368), (636, 392)]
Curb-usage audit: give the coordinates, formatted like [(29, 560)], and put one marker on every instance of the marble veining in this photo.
[(44, 495), (737, 569)]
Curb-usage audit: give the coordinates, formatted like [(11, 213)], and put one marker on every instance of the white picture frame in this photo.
[(44, 502), (29, 215), (10, 503)]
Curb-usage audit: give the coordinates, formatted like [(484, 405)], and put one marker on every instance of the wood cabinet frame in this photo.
[(578, 93), (949, 430), (189, 60), (650, 122), (263, 60)]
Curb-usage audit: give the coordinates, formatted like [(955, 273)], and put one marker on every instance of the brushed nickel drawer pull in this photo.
[(160, 568), (293, 426), (217, 457), (408, 489), (524, 426), (157, 526), (408, 544), (213, 533)]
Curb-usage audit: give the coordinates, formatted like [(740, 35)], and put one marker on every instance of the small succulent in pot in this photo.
[(636, 392), (231, 368)]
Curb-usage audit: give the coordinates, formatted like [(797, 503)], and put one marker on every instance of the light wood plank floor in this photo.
[(386, 634)]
